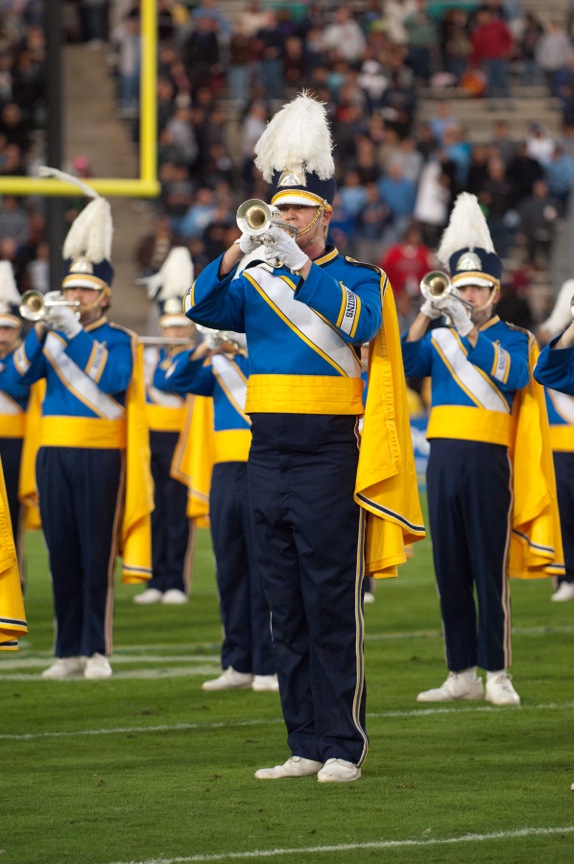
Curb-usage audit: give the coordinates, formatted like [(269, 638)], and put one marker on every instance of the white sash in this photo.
[(155, 396), (8, 406), (232, 380), (80, 384), (468, 376), (564, 405), (305, 321)]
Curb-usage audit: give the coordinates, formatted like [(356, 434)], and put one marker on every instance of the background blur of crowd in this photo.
[(225, 67)]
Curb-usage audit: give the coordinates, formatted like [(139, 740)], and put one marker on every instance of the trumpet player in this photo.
[(306, 312), (92, 423), (218, 368), (478, 367)]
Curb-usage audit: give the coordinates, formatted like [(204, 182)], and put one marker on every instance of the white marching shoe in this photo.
[(458, 685), (174, 597), (97, 668), (565, 591), (265, 684), (150, 595), (499, 689), (296, 766), (338, 771), (229, 680), (65, 667)]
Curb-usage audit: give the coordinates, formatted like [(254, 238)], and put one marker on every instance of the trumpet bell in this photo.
[(435, 284), (254, 217), (35, 306)]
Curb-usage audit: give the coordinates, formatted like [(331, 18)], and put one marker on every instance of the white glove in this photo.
[(248, 244), (63, 318), (430, 310), (285, 249), (456, 310)]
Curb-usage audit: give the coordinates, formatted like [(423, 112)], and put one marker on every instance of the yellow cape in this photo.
[(386, 485), (12, 615), (193, 457), (536, 540)]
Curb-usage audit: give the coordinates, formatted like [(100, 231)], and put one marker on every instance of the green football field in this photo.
[(145, 767)]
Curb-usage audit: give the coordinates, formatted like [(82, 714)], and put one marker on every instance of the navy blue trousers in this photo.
[(564, 468), (470, 501), (80, 492), (307, 531), (173, 534), (247, 643)]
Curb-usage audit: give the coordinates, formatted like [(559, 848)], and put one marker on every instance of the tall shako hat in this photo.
[(9, 297), (88, 244), (467, 247), (294, 154)]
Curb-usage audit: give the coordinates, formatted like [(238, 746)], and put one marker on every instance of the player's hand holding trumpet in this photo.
[(442, 298)]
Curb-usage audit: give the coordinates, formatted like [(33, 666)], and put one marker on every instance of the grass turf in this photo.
[(146, 767)]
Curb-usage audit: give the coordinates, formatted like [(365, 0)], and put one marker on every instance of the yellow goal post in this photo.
[(147, 184)]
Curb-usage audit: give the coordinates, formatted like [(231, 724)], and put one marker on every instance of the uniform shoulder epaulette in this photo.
[(363, 264), (123, 329), (524, 330)]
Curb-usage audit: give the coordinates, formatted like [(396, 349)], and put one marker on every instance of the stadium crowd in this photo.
[(222, 76)]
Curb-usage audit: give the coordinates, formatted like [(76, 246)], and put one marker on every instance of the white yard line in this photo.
[(354, 847), (232, 724)]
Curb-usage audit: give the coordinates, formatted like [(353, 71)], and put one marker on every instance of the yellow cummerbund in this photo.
[(304, 394), (562, 438), (232, 445), (470, 424), (12, 425), (160, 418), (83, 432)]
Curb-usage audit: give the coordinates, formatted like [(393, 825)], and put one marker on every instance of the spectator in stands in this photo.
[(201, 53), (269, 57), (538, 216), (399, 193), (14, 221), (502, 142), (456, 45), (553, 52), (372, 222), (539, 143), (559, 174), (422, 40), (523, 171), (127, 41), (239, 69), (406, 262), (198, 216), (343, 38), (94, 19), (530, 36), (492, 45), (496, 196), (564, 88)]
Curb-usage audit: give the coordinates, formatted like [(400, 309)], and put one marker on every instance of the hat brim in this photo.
[(11, 321), (479, 279), (175, 321), (296, 196)]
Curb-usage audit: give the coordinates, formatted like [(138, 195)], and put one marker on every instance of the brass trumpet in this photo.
[(36, 306), (255, 217), (436, 285)]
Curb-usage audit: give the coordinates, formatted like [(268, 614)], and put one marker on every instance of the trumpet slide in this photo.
[(35, 306)]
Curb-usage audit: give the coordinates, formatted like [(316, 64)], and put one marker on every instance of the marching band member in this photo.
[(173, 534), (92, 465), (555, 370), (306, 311), (12, 406), (218, 368), (479, 368)]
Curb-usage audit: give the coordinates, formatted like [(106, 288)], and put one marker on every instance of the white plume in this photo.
[(9, 294), (173, 278), (90, 233), (298, 133), (46, 171), (467, 228)]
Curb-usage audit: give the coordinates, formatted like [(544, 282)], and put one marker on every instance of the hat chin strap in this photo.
[(318, 215), (105, 292), (488, 303)]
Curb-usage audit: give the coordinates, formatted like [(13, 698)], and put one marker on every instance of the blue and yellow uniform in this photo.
[(173, 534), (560, 407), (80, 471), (304, 397), (469, 481), (247, 644)]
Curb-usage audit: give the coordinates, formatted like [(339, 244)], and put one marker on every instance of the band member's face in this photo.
[(301, 216), (8, 337), (92, 302), (482, 298)]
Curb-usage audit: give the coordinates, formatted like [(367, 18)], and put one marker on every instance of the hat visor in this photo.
[(10, 321), (175, 321), (481, 280), (296, 196)]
